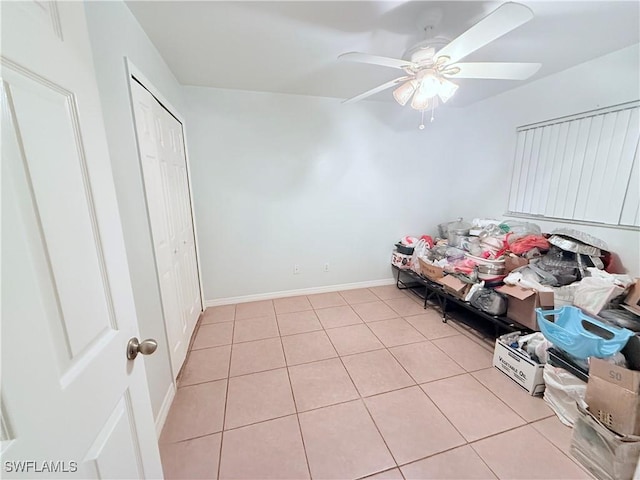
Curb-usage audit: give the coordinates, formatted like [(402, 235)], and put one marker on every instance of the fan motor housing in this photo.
[(436, 42)]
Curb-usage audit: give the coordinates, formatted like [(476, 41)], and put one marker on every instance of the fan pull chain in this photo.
[(433, 107), (421, 127)]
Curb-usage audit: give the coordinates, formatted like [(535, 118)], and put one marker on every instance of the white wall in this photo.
[(114, 34), (286, 179), (282, 179), (487, 134)]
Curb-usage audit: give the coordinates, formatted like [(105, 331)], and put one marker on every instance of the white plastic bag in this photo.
[(593, 294), (420, 249), (563, 390)]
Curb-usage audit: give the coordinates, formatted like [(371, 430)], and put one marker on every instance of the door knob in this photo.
[(145, 347)]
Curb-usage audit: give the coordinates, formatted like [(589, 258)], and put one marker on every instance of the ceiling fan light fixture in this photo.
[(429, 84), (403, 93), (447, 89), (420, 100)]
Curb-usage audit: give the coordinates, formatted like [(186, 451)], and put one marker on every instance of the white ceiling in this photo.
[(292, 46)]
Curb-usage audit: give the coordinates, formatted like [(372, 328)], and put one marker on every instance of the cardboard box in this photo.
[(511, 262), (605, 454), (523, 302), (613, 396), (432, 272), (517, 365), (454, 286), (400, 260), (632, 301)]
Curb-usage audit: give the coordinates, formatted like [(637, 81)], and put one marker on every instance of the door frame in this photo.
[(134, 74)]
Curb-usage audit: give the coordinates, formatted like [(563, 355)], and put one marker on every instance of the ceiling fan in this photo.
[(433, 63)]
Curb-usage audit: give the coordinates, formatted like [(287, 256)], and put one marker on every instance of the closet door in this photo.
[(168, 202), (175, 155)]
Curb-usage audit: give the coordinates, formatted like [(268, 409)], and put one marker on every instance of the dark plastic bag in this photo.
[(489, 301)]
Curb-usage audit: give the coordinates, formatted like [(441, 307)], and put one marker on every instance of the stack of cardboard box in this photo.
[(606, 437)]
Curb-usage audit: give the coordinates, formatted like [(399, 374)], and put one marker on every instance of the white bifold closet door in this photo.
[(164, 167)]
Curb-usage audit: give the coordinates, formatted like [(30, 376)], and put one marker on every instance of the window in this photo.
[(583, 167)]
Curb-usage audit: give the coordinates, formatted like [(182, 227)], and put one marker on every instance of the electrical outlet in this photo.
[(296, 269), (326, 267)]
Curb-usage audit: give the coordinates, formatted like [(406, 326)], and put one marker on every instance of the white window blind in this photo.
[(583, 168)]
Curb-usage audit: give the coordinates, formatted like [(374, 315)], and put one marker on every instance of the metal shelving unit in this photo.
[(429, 290)]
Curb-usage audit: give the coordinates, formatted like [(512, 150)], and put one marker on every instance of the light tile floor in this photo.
[(348, 385)]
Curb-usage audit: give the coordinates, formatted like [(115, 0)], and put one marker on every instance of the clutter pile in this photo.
[(584, 354), (595, 389), (511, 268)]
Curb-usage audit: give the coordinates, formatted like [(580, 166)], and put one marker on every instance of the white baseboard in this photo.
[(293, 293), (164, 408)]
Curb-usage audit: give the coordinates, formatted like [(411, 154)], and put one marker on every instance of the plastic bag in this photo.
[(535, 345), (593, 294), (563, 296), (562, 392), (526, 277), (489, 301), (419, 251), (522, 245), (520, 229)]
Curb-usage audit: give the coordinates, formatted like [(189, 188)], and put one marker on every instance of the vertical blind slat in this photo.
[(629, 215), (556, 162), (609, 181), (565, 169), (548, 174), (577, 164), (515, 176), (533, 166), (586, 179), (600, 169), (538, 180), (524, 171), (621, 178)]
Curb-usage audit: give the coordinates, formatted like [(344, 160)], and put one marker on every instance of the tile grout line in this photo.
[(226, 396), (574, 460), (364, 403), (388, 470), (293, 397), (426, 394), (526, 422), (361, 399), (430, 399)]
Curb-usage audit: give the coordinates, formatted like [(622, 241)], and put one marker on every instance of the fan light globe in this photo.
[(429, 84), (420, 100), (447, 89), (403, 93)]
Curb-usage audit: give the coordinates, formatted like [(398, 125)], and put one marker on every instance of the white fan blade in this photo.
[(379, 88), (496, 71), (376, 60), (502, 20)]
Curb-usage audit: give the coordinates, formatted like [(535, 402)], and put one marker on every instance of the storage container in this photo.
[(403, 249), (401, 261), (580, 335), (432, 272)]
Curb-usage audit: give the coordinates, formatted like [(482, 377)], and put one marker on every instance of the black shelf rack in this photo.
[(428, 290)]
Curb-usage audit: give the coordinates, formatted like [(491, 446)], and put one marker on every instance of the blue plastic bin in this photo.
[(580, 335)]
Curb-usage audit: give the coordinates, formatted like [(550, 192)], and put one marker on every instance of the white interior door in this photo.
[(72, 404), (162, 154)]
